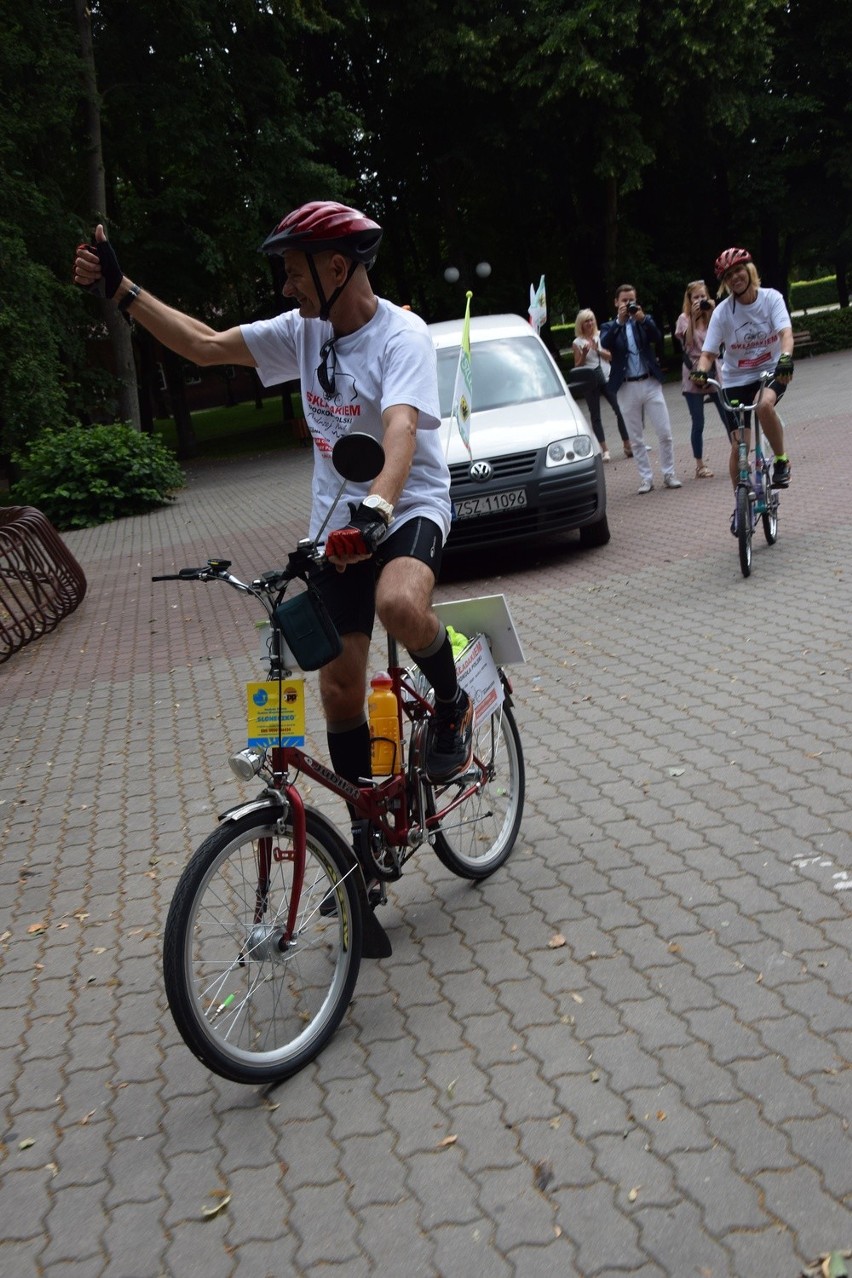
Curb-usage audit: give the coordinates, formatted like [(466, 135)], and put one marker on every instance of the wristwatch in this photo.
[(375, 502)]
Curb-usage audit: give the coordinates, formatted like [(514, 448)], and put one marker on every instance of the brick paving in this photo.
[(666, 1094)]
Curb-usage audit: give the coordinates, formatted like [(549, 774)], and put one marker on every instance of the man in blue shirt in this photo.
[(636, 378)]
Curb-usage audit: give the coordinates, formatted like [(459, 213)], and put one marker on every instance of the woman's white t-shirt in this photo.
[(750, 335), (593, 355), (390, 360)]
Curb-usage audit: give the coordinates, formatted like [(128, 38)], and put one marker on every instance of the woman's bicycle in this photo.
[(271, 916), (756, 499)]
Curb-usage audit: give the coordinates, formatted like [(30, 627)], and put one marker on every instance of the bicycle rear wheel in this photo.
[(477, 837), (251, 1008), (744, 528)]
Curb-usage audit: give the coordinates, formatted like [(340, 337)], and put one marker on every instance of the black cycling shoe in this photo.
[(449, 748), (781, 474)]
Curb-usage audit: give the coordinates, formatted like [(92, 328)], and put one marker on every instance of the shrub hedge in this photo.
[(831, 330), (80, 476), (808, 293)]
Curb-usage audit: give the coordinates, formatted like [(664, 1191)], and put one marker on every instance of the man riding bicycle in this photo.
[(752, 328), (368, 365)]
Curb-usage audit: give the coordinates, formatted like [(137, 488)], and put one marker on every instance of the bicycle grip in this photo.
[(185, 574)]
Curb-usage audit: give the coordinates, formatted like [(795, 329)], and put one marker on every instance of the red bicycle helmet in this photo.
[(730, 258), (322, 225)]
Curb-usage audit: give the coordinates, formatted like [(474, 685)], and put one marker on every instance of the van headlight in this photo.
[(563, 451)]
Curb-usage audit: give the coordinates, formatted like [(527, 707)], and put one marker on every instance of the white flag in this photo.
[(538, 306)]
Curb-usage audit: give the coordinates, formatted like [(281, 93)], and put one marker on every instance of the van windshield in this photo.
[(508, 370)]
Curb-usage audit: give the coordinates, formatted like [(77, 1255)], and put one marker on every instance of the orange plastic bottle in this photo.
[(383, 713)]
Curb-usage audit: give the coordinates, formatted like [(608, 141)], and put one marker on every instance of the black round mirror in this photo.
[(358, 457)]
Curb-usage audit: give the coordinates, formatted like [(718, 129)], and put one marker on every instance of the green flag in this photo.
[(463, 389)]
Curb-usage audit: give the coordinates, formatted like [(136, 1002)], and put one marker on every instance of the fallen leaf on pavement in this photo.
[(210, 1212)]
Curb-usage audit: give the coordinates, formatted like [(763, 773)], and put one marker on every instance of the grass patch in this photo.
[(233, 431)]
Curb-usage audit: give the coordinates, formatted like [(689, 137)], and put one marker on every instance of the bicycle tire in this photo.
[(770, 517), (249, 1011), (477, 837), (744, 528)]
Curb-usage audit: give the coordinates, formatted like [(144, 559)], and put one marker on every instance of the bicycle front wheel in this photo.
[(477, 837), (253, 1005), (770, 518), (744, 528)]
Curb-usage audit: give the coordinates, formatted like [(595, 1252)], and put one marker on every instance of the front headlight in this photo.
[(563, 451), (247, 763)]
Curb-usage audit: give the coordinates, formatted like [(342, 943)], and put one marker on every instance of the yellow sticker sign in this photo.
[(276, 713)]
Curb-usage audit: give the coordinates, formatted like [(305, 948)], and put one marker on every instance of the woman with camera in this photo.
[(690, 332), (594, 359)]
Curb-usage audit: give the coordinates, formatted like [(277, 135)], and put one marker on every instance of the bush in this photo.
[(831, 330), (808, 293), (86, 475)]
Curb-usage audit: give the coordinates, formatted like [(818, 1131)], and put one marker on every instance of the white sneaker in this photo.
[(645, 486), (671, 482), (605, 455)]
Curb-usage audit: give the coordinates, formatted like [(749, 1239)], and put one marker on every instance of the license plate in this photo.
[(490, 503)]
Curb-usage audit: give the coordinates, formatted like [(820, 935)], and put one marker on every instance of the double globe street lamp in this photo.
[(452, 274)]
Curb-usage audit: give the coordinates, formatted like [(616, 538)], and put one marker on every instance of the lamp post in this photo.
[(452, 274)]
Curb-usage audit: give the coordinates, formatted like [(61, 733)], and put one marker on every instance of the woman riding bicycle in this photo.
[(753, 329)]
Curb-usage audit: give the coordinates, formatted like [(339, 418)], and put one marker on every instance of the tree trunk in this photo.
[(173, 371), (119, 331), (841, 277)]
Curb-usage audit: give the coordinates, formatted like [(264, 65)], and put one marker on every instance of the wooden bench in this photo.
[(803, 342)]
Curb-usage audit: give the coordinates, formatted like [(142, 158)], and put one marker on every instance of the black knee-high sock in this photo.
[(438, 665), (349, 751)]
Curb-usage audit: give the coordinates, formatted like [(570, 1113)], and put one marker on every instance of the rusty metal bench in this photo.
[(40, 580), (804, 342)]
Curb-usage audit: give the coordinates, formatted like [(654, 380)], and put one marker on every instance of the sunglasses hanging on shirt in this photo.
[(328, 367)]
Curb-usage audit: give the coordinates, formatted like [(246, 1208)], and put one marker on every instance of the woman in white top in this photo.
[(690, 331), (595, 359)]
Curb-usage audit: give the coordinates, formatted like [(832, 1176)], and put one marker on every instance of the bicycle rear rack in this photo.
[(40, 580)]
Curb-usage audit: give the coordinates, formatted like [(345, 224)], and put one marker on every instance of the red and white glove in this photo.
[(365, 530)]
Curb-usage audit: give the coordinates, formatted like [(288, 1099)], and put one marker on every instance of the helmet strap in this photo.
[(327, 303)]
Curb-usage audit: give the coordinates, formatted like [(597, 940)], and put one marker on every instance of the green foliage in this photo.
[(831, 330), (31, 373), (86, 475), (807, 293)]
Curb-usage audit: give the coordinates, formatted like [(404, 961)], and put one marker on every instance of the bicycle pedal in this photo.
[(377, 894)]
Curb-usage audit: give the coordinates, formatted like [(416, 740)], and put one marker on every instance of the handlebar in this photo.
[(273, 582), (735, 405)]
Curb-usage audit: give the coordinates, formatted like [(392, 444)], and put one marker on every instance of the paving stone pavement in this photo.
[(666, 1094)]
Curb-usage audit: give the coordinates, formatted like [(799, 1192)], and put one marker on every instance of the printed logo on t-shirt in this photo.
[(332, 417), (748, 339)]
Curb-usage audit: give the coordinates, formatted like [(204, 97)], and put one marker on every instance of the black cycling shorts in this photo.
[(746, 395), (350, 596)]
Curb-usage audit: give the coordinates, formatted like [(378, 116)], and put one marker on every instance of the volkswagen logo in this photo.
[(481, 470)]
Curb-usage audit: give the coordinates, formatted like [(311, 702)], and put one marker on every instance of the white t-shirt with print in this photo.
[(390, 360), (750, 335)]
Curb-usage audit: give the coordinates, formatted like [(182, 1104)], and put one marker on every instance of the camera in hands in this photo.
[(633, 308)]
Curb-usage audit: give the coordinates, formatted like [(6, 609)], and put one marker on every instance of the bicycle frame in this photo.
[(396, 806), (388, 804)]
